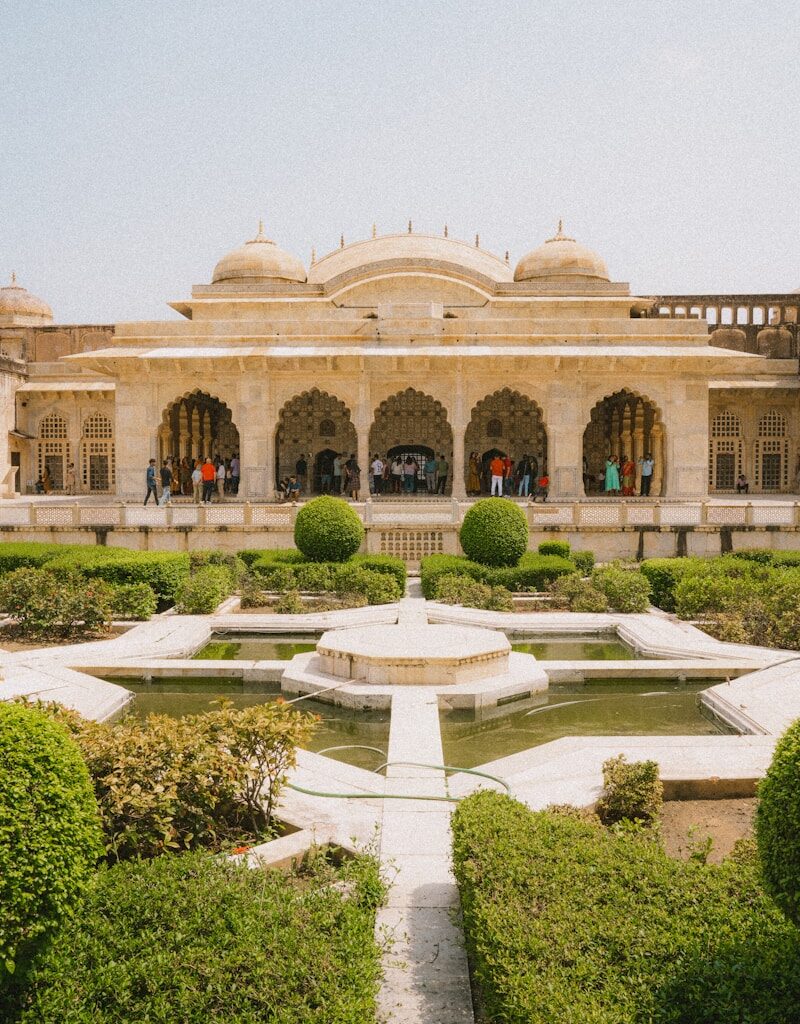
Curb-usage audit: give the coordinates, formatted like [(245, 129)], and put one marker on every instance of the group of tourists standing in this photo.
[(503, 476), (619, 476), (201, 479)]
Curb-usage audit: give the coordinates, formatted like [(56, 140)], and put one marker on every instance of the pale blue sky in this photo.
[(142, 140)]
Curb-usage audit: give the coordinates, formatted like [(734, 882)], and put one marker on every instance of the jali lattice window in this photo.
[(98, 468)]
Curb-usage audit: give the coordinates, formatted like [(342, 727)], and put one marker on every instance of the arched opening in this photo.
[(52, 453), (507, 423), (322, 477), (726, 451), (195, 426), (98, 470), (412, 423), (629, 427), (313, 426)]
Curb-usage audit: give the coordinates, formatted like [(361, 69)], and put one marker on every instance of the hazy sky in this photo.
[(140, 141)]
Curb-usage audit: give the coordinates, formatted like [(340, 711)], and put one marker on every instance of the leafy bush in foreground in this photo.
[(196, 940), (569, 922), (50, 835), (627, 590), (55, 603), (181, 783), (533, 573), (632, 791), (577, 594), (327, 529), (164, 571), (494, 532), (778, 824), (133, 601), (200, 593)]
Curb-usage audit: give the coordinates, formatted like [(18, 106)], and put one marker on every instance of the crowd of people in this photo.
[(501, 475), (341, 474), (201, 479), (619, 476)]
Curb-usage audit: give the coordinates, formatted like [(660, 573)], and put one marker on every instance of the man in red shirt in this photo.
[(497, 467), (209, 474)]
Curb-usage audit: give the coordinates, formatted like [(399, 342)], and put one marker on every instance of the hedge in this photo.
[(534, 572), (50, 835), (555, 547), (664, 575), (204, 590), (164, 571), (494, 532), (778, 824), (567, 921), (200, 941), (17, 555), (327, 529), (626, 589), (768, 556)]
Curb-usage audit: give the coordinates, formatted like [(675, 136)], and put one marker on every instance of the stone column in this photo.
[(254, 418), (683, 441), (459, 426), (362, 423), (565, 441), (137, 435)]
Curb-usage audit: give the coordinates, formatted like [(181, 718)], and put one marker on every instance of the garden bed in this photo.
[(685, 824)]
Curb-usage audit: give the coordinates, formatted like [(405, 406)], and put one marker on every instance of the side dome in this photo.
[(17, 302), (561, 256), (259, 259)]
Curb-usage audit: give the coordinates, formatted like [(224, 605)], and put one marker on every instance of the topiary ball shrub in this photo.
[(328, 530), (778, 824), (494, 532), (50, 836)]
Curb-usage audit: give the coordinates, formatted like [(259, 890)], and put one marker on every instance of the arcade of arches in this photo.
[(624, 425), (197, 426), (315, 425)]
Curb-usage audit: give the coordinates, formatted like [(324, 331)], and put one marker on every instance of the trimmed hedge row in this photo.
[(262, 561), (533, 572), (23, 554), (377, 585), (567, 921), (778, 824), (198, 940)]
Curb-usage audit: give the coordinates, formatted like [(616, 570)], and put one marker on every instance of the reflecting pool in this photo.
[(574, 648), (608, 707), (257, 647)]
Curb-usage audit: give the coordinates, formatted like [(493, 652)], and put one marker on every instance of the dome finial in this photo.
[(313, 255), (477, 241), (409, 226), (507, 256), (13, 279), (341, 240), (374, 230), (445, 231), (559, 236), (261, 237)]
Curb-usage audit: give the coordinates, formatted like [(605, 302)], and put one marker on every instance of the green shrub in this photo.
[(327, 529), (578, 594), (284, 555), (663, 575), (632, 791), (377, 587), (778, 824), (235, 566), (555, 547), (533, 573), (627, 590), (18, 554), (584, 561), (395, 567), (274, 575), (51, 603), (471, 594), (291, 603), (567, 922), (50, 835), (201, 781), (133, 601), (696, 595), (317, 577), (196, 940), (201, 593), (494, 532), (164, 571)]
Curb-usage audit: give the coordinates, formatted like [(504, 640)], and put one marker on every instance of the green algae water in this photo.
[(177, 697), (257, 647), (607, 707), (563, 648)]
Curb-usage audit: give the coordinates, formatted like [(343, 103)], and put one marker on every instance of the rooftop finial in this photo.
[(261, 237), (559, 236), (313, 255), (341, 241), (374, 230), (409, 225), (260, 225), (507, 256), (445, 231), (477, 241), (13, 278)]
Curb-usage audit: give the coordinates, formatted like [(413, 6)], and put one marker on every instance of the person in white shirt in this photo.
[(197, 483), (377, 474), (221, 480)]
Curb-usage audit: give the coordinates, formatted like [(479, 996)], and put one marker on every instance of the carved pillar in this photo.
[(459, 485)]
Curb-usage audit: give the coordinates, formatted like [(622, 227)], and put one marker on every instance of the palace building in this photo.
[(408, 343)]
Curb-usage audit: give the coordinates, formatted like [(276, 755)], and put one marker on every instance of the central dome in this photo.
[(258, 260), (561, 256), (410, 248)]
